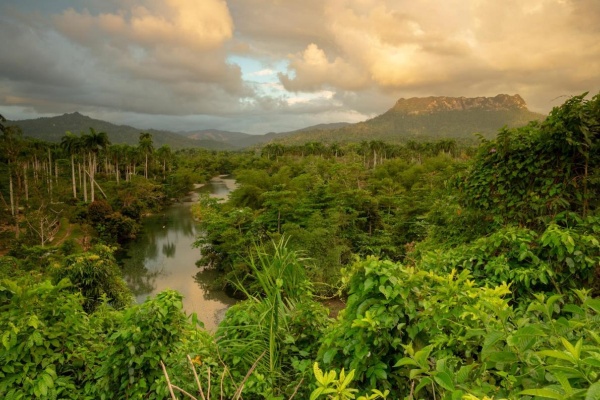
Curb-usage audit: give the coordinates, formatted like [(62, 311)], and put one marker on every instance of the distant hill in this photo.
[(421, 118), (52, 129), (217, 135), (244, 140)]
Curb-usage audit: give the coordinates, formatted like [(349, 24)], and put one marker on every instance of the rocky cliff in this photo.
[(429, 105)]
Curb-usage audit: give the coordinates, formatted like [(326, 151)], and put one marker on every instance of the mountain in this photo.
[(243, 140), (430, 118), (216, 135), (52, 129)]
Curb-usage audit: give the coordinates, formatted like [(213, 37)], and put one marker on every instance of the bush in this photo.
[(97, 276)]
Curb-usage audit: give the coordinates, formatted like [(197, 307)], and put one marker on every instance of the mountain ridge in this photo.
[(52, 129), (432, 118), (416, 118)]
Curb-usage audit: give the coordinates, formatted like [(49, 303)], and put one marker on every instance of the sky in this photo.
[(260, 66)]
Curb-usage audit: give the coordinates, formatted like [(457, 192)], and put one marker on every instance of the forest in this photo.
[(364, 270)]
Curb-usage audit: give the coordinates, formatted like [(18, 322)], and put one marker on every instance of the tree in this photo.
[(164, 155), (71, 144), (146, 147), (11, 145), (44, 223), (93, 143)]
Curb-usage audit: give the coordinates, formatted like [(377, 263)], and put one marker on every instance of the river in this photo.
[(163, 257)]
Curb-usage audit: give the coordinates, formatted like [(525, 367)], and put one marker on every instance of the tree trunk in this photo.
[(85, 192), (73, 176), (92, 163), (12, 195), (50, 175), (25, 182)]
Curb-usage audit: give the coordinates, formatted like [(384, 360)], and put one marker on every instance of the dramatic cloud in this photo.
[(264, 65), (165, 57), (455, 47)]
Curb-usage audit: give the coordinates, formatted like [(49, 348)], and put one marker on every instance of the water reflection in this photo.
[(163, 258)]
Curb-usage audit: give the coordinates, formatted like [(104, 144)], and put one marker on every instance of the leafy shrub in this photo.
[(149, 333), (96, 275), (559, 258), (98, 211), (47, 342), (391, 306)]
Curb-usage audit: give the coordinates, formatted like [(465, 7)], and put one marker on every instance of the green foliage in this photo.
[(49, 345), (98, 211), (331, 207), (528, 174), (278, 327), (149, 333), (559, 258), (97, 276), (338, 389), (391, 306)]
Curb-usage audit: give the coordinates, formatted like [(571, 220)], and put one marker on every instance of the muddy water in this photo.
[(163, 257)]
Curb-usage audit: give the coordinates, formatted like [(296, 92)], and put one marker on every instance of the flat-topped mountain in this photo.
[(429, 105), (432, 118)]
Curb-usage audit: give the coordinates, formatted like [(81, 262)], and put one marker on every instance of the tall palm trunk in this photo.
[(92, 163), (50, 174), (11, 190), (73, 176), (85, 192), (25, 182)]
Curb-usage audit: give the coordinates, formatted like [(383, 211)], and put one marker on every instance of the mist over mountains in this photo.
[(422, 118)]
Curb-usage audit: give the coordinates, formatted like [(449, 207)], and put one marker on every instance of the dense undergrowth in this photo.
[(464, 276)]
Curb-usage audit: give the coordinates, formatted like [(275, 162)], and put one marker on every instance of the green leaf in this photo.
[(556, 354), (329, 354), (422, 383), (347, 380), (593, 304), (405, 361), (574, 350), (593, 393), (444, 380), (502, 356), (416, 372), (463, 373), (318, 373)]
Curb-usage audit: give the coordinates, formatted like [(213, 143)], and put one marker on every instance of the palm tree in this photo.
[(146, 147), (70, 144), (164, 154), (93, 143)]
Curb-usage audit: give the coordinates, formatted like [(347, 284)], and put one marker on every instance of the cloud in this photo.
[(314, 71), (155, 57), (455, 47), (194, 25)]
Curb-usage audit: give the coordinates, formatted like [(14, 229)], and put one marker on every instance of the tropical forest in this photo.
[(432, 268)]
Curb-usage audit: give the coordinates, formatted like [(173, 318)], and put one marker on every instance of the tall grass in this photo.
[(259, 324)]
